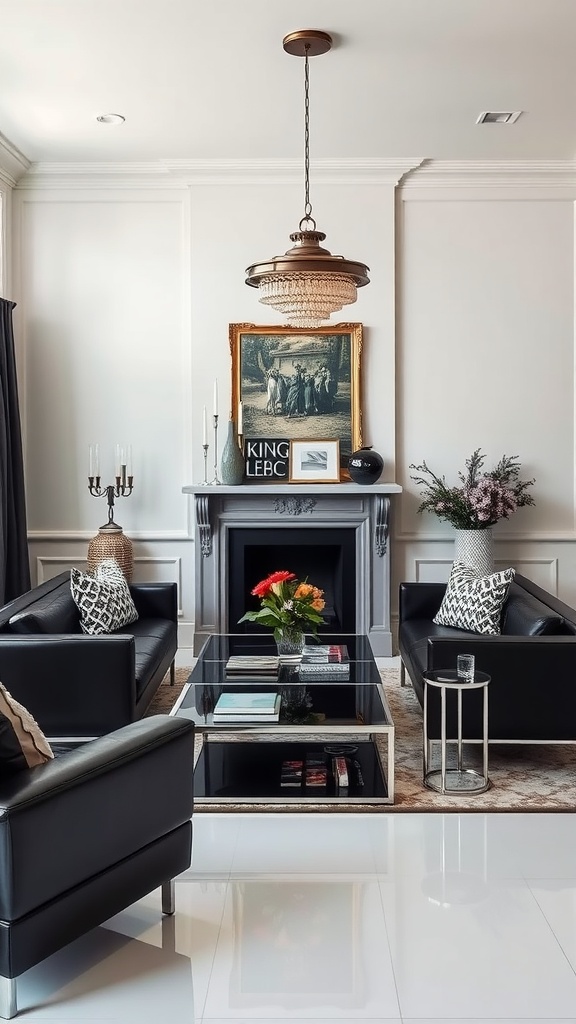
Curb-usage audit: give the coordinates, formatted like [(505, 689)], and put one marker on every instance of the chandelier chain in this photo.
[(307, 203)]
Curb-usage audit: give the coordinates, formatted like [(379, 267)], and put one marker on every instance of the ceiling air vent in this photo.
[(498, 116)]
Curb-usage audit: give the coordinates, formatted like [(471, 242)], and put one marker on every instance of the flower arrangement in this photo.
[(483, 497), (288, 606)]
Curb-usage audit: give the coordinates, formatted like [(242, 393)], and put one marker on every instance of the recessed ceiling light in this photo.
[(111, 118), (498, 116)]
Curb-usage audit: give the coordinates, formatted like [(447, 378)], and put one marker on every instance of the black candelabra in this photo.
[(121, 488)]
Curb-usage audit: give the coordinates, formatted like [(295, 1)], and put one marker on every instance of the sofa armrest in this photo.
[(515, 657), (156, 600), (74, 685), (420, 600), (92, 807), (532, 693)]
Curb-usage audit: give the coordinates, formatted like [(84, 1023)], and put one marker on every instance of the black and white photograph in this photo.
[(298, 383), (314, 461)]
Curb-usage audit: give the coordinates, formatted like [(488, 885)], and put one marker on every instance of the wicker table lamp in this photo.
[(111, 542)]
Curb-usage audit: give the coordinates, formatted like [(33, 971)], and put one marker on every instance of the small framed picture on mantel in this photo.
[(315, 462)]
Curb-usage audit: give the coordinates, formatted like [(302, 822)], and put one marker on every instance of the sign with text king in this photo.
[(266, 459)]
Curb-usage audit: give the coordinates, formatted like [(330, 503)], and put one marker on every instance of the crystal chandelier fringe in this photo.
[(322, 294)]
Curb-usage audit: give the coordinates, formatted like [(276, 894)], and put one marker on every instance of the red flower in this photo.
[(263, 588)]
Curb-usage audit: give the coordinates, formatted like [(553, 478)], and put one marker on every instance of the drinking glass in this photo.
[(465, 667)]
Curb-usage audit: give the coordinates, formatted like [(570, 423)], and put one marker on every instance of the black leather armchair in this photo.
[(89, 833)]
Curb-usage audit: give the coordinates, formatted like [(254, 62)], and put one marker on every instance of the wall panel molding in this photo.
[(70, 536), (526, 566), (547, 537), (46, 564)]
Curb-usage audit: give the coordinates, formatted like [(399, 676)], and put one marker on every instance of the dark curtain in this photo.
[(14, 561)]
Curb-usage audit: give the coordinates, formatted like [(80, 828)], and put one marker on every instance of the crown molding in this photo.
[(13, 163), (181, 173), (274, 171), (407, 172), (492, 174)]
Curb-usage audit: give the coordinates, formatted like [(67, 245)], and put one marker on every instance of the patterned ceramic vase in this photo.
[(475, 548)]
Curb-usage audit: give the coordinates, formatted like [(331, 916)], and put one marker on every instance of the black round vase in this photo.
[(365, 466)]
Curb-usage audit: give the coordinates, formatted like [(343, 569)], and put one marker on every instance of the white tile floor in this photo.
[(379, 917)]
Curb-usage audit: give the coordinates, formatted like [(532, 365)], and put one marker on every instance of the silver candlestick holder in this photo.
[(216, 481), (205, 481)]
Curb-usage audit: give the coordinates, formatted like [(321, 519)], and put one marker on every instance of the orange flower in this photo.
[(318, 604), (304, 589), (264, 587)]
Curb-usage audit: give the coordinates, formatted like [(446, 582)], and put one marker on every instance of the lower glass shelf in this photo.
[(250, 772)]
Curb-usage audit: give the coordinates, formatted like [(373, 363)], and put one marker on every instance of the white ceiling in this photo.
[(210, 80)]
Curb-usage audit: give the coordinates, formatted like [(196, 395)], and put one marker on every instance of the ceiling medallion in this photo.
[(307, 284)]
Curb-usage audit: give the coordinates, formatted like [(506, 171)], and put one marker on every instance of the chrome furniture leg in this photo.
[(168, 897), (8, 1007)]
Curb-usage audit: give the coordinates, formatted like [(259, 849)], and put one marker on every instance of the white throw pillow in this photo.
[(103, 599), (474, 602)]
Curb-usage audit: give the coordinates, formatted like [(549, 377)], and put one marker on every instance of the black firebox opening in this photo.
[(325, 557)]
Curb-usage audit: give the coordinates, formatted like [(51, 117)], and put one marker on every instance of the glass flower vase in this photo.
[(290, 645)]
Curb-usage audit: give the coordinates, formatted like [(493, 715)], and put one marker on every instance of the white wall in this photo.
[(126, 284), (125, 294), (485, 357)]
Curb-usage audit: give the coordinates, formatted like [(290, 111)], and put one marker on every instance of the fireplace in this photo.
[(327, 560), (337, 535)]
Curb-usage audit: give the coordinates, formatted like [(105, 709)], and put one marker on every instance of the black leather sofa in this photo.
[(79, 685), (86, 835), (532, 664)]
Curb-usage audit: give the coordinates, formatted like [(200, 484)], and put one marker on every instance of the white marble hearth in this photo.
[(364, 511)]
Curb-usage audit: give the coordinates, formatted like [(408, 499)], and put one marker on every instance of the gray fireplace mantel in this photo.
[(365, 509)]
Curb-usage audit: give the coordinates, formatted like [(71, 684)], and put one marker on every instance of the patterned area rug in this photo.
[(524, 778)]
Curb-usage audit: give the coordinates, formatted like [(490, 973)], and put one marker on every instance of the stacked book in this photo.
[(252, 664), (322, 661), (247, 707)]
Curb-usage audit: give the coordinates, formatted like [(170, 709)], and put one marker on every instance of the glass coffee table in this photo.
[(319, 747)]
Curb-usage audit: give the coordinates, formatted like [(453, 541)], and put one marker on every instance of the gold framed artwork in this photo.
[(314, 461), (297, 384)]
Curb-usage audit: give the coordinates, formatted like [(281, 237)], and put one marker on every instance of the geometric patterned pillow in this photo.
[(474, 602), (103, 599), (22, 742)]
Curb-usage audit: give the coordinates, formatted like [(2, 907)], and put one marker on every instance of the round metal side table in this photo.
[(459, 779)]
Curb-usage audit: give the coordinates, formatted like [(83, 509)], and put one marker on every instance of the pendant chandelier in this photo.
[(307, 284)]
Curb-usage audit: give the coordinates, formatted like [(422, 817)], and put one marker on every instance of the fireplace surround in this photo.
[(336, 534)]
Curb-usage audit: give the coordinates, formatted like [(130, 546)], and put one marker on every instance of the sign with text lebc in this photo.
[(266, 459)]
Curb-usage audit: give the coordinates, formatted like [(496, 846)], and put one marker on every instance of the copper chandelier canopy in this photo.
[(307, 283)]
